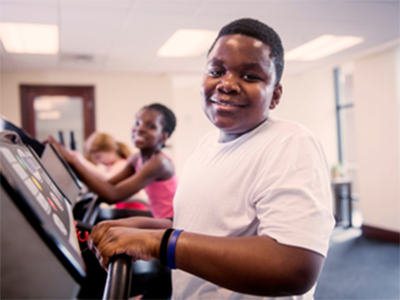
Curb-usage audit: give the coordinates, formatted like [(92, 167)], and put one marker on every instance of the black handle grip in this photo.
[(61, 137), (118, 278), (72, 141)]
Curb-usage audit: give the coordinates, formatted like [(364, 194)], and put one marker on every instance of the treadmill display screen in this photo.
[(40, 200), (61, 173)]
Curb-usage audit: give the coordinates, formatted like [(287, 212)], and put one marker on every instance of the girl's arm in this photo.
[(116, 168), (86, 170), (122, 185), (126, 172), (112, 193), (90, 166), (253, 265)]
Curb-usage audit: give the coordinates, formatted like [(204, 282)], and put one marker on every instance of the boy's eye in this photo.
[(215, 73), (251, 77)]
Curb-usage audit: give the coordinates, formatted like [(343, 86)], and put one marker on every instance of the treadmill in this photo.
[(40, 253), (58, 168)]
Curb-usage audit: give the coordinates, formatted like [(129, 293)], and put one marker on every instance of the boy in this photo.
[(254, 198)]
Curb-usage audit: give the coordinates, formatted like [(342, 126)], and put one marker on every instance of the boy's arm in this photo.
[(252, 265)]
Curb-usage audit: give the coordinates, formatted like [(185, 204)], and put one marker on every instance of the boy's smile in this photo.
[(239, 85), (226, 104)]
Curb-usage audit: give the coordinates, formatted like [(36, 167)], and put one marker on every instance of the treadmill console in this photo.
[(40, 201)]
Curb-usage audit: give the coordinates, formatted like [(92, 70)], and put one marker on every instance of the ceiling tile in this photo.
[(29, 14), (98, 5), (168, 6), (26, 62)]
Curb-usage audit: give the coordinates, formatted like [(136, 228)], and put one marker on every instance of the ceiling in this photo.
[(124, 35)]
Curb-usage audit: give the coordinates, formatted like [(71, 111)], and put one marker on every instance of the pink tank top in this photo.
[(160, 193)]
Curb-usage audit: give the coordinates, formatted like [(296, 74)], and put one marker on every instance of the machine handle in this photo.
[(118, 278), (61, 137), (72, 141)]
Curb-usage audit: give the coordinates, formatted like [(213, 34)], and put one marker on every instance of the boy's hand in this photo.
[(136, 243), (100, 229)]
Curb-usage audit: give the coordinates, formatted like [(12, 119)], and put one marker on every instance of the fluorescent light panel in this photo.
[(187, 42), (323, 46), (29, 38)]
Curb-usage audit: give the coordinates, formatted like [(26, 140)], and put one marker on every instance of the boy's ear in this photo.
[(276, 97)]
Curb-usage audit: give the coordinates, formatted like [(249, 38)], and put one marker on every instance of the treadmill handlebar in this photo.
[(118, 278)]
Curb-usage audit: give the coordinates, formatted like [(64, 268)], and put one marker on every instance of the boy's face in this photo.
[(239, 85)]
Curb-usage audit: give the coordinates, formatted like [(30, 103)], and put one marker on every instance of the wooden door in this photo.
[(78, 103)]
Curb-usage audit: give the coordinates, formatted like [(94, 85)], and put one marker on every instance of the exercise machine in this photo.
[(40, 253)]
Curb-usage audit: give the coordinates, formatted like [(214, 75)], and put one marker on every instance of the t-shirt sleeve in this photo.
[(293, 195)]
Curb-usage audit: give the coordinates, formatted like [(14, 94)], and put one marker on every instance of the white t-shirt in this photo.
[(273, 181)]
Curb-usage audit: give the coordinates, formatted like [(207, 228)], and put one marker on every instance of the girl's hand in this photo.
[(136, 243), (69, 156)]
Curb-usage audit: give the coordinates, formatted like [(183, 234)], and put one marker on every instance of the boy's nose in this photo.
[(228, 84)]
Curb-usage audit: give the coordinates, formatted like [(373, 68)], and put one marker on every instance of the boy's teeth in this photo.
[(224, 104)]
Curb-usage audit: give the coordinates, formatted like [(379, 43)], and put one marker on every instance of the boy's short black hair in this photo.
[(260, 31), (169, 120)]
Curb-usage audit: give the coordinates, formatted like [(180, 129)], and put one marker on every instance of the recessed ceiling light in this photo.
[(187, 42), (323, 46), (29, 38)]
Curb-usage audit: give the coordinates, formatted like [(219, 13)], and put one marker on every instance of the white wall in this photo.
[(377, 101), (117, 96), (309, 99), (192, 122)]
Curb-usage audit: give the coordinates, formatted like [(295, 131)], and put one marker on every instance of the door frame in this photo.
[(29, 92)]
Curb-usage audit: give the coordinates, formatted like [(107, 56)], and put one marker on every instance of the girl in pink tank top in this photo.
[(149, 169), (160, 193)]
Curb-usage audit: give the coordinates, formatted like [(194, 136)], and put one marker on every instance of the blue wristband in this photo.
[(171, 248)]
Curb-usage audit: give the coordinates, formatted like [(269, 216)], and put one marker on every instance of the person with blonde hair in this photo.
[(106, 153)]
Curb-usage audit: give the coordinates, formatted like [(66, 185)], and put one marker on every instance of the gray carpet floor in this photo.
[(359, 268)]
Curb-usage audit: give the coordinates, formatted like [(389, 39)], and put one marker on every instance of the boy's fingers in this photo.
[(97, 233)]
